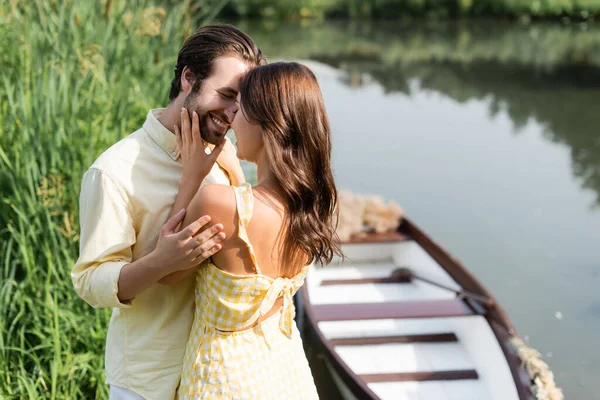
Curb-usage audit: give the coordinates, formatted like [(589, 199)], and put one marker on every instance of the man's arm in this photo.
[(175, 251), (106, 238), (105, 275)]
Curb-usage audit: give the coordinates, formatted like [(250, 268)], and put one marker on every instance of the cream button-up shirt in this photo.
[(126, 197)]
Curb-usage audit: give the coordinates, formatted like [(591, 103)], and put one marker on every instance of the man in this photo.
[(126, 196)]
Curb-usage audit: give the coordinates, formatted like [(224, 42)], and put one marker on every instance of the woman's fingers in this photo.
[(186, 129), (214, 154), (195, 127), (178, 138)]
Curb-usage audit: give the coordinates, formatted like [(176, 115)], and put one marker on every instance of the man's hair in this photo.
[(210, 42)]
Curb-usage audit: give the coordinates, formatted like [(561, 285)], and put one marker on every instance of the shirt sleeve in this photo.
[(106, 240)]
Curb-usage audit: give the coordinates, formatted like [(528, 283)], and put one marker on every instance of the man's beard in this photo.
[(206, 132)]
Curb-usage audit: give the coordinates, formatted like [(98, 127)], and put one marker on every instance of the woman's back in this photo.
[(244, 342), (252, 224), (244, 339), (265, 220)]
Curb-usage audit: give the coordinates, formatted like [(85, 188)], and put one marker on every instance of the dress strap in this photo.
[(245, 205)]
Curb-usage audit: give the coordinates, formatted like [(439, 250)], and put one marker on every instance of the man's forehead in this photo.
[(227, 72)]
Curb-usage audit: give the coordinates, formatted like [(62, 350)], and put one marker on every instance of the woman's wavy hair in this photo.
[(285, 100)]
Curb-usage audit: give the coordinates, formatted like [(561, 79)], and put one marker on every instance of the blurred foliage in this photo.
[(574, 9)]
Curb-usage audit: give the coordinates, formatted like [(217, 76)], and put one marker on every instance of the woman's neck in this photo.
[(266, 182)]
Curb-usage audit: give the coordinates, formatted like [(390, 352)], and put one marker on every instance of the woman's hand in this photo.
[(196, 163), (231, 164)]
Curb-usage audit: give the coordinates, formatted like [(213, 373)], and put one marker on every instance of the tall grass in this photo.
[(76, 77)]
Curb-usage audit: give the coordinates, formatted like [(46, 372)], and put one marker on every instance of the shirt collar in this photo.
[(164, 138)]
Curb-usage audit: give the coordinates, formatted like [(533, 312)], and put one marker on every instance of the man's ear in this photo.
[(187, 80)]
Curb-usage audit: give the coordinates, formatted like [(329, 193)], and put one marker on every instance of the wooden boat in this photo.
[(400, 319)]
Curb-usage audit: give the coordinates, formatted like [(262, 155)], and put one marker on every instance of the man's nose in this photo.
[(230, 112)]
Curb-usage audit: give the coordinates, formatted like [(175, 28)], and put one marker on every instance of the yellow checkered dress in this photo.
[(225, 361)]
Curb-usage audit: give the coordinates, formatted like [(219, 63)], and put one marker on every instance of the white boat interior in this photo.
[(406, 340)]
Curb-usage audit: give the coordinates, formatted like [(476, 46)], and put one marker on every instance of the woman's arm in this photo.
[(231, 164), (196, 163), (196, 166), (236, 177)]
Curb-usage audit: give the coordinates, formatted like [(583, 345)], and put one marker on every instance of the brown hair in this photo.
[(286, 101), (209, 43)]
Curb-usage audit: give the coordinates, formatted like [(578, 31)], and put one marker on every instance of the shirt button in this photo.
[(174, 153)]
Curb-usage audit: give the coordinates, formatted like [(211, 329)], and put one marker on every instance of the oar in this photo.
[(404, 274)]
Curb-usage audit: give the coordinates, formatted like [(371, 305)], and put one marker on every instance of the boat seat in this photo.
[(419, 338), (403, 309), (453, 375)]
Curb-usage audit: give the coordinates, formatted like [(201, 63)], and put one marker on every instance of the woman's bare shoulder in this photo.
[(219, 202), (216, 194)]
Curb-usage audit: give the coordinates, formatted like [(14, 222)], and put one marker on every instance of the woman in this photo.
[(244, 343)]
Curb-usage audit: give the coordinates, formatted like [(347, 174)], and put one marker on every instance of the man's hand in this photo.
[(176, 251), (186, 249)]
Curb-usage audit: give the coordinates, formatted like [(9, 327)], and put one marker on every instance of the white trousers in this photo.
[(119, 393)]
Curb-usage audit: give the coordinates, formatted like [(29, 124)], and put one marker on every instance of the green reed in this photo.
[(76, 77)]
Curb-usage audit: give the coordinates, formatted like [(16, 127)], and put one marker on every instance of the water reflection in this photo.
[(486, 134), (546, 72)]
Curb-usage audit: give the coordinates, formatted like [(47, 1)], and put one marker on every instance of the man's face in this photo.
[(215, 102)]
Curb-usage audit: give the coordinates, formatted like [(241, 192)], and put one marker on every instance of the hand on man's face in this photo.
[(214, 123), (215, 100)]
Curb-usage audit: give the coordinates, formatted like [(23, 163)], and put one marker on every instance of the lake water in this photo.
[(488, 135)]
